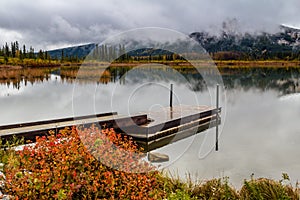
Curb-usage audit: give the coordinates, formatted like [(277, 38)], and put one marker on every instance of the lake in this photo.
[(260, 131)]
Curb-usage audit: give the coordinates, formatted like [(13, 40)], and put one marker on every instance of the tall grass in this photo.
[(263, 188), (253, 189)]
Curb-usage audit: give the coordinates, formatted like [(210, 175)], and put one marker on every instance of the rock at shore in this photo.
[(158, 157)]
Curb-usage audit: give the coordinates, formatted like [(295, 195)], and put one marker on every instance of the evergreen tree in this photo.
[(41, 55), (13, 49), (6, 50), (31, 52), (17, 45), (24, 51), (46, 55), (5, 59), (62, 56), (21, 56)]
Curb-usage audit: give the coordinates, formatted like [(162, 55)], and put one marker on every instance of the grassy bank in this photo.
[(200, 63), (31, 63), (27, 62), (259, 63), (62, 167)]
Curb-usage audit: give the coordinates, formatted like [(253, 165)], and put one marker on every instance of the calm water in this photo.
[(260, 119)]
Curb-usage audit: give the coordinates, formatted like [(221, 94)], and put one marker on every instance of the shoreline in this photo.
[(259, 63), (219, 63)]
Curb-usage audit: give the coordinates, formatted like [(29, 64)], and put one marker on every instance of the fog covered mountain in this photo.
[(284, 44)]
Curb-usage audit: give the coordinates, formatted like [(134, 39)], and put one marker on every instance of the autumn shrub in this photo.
[(89, 163), (66, 166)]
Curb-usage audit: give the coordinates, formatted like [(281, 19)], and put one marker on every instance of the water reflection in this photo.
[(260, 134), (283, 80)]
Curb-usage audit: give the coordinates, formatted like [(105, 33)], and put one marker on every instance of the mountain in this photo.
[(76, 51), (83, 50), (228, 45), (285, 43)]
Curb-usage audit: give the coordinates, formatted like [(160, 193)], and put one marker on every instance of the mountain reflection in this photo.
[(283, 80)]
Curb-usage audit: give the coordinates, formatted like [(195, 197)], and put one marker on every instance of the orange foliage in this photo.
[(63, 167)]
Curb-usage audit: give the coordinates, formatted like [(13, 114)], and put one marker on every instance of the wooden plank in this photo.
[(177, 136), (155, 129), (11, 126), (110, 121), (167, 125), (177, 122)]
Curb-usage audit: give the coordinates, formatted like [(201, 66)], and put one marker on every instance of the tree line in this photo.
[(14, 50), (227, 47)]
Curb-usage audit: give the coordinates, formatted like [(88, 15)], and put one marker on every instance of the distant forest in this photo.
[(78, 53), (14, 50), (284, 45)]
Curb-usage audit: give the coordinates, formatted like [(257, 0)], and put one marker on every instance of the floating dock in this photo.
[(32, 129), (171, 124), (150, 130)]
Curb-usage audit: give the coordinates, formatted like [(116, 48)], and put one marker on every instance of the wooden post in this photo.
[(217, 118), (171, 96)]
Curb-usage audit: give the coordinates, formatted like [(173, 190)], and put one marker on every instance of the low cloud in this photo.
[(45, 24)]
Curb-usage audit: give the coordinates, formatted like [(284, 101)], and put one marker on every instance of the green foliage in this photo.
[(214, 189), (179, 194), (262, 188), (5, 59)]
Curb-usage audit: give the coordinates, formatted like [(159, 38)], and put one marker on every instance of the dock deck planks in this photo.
[(170, 125), (151, 130), (30, 130)]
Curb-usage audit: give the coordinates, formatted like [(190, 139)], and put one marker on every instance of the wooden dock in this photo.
[(30, 130), (150, 130), (172, 124)]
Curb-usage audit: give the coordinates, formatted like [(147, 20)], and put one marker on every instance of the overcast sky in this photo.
[(52, 24)]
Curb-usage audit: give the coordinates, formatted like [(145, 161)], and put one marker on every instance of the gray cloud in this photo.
[(50, 24)]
